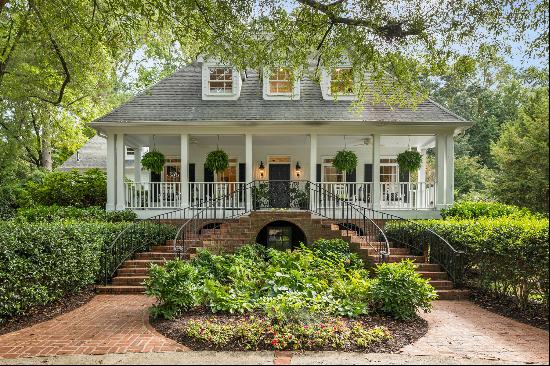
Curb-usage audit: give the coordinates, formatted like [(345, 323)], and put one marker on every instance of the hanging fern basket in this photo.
[(409, 161), (217, 161), (345, 161), (153, 161)]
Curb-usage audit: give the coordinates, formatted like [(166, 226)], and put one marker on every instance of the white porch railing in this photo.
[(407, 195), (168, 195), (153, 195), (233, 194)]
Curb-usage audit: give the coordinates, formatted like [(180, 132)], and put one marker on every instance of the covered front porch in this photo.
[(280, 167)]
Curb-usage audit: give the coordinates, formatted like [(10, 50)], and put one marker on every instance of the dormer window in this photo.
[(220, 80), (281, 84), (341, 81)]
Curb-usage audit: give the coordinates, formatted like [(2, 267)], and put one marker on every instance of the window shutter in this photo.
[(208, 177), (319, 173), (351, 177), (192, 172), (368, 173), (242, 172), (403, 176)]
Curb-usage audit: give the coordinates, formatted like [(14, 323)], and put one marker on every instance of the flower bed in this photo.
[(260, 299)]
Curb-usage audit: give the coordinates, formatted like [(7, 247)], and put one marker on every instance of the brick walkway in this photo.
[(462, 329), (107, 324)]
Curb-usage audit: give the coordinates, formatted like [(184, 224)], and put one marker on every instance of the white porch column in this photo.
[(111, 173), (120, 205), (312, 167), (440, 186), (376, 195), (137, 164), (421, 194), (249, 168), (450, 170), (184, 169)]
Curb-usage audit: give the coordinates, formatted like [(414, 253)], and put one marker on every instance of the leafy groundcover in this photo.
[(318, 298)]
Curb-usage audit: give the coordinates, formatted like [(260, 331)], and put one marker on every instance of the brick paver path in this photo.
[(107, 324), (462, 329)]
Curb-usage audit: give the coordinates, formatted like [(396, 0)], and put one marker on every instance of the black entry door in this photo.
[(279, 185)]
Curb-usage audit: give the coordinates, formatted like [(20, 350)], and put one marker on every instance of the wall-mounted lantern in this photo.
[(298, 169), (261, 169)]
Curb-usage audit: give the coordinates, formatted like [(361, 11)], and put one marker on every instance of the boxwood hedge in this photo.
[(505, 255), (58, 213), (41, 262)]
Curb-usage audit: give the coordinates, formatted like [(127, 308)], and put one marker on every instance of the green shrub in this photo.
[(400, 291), (58, 213), (41, 262), (506, 255), (11, 198), (338, 250), (70, 189), (298, 286), (474, 210)]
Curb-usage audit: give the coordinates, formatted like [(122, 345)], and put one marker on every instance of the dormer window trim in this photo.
[(294, 94), (235, 80), (327, 84)]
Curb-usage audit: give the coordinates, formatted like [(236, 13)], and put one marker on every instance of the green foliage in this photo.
[(70, 189), (11, 197), (337, 250), (521, 155), (153, 161), (409, 161), (505, 255), (474, 210), (255, 333), (287, 287), (216, 161), (472, 179), (400, 290), (345, 161), (58, 213)]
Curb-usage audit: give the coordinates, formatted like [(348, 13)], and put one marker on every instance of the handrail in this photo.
[(427, 243)]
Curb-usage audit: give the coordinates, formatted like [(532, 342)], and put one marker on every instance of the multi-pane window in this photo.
[(280, 81), (220, 80), (330, 173), (341, 81)]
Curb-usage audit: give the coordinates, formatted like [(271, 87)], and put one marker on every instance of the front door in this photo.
[(279, 185)]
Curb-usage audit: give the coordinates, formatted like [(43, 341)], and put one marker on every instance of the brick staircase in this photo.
[(233, 233)]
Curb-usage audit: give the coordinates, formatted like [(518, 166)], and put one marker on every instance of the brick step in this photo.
[(132, 271), (393, 251), (129, 280), (398, 258), (453, 294), (168, 248), (441, 284), (120, 290), (431, 267), (434, 275), (155, 255), (142, 263)]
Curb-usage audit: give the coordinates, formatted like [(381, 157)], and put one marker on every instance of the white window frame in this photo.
[(236, 82), (324, 164), (326, 82), (268, 95)]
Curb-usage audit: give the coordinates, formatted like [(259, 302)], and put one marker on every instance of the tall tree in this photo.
[(521, 155)]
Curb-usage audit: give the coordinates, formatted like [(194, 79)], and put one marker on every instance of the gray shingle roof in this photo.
[(179, 98), (92, 155)]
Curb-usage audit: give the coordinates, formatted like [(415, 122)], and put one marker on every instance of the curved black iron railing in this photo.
[(424, 242)]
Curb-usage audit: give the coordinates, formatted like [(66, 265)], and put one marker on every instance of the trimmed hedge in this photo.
[(474, 210), (41, 262), (506, 255), (57, 213)]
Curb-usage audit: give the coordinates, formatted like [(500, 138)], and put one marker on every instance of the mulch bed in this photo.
[(536, 315), (403, 333), (40, 314)]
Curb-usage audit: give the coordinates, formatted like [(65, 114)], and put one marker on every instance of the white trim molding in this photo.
[(236, 82)]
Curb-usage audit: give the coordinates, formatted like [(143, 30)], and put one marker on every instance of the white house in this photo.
[(274, 129)]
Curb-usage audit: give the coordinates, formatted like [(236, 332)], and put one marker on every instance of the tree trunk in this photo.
[(46, 150)]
